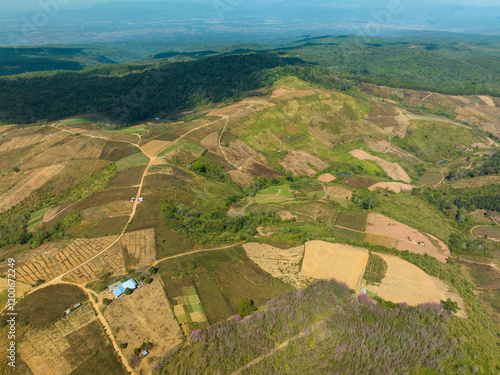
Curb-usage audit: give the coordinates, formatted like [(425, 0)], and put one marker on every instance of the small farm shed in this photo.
[(131, 284)]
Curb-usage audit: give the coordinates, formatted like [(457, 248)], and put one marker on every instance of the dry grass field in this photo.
[(29, 183), (324, 260), (116, 208), (405, 282), (144, 316), (283, 264), (431, 178), (151, 148), (338, 192), (302, 163), (376, 239), (393, 170), (50, 264)]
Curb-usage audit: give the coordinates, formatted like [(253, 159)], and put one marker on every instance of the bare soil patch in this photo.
[(393, 170), (282, 264), (324, 260), (326, 177), (302, 163), (408, 238), (405, 282), (144, 316), (393, 186), (487, 100)]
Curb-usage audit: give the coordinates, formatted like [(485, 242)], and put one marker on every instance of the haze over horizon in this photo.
[(87, 21)]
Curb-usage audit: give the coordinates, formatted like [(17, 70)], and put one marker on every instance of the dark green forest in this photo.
[(67, 80)]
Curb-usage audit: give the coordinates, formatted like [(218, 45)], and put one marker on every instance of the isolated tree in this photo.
[(128, 291), (246, 307), (148, 280), (450, 305)]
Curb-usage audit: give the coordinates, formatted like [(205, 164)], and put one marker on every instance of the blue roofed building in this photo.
[(119, 291), (131, 284)]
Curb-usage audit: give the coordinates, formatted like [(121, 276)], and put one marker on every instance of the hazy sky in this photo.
[(34, 5)]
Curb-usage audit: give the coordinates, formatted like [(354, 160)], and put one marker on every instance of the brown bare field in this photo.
[(431, 178), (405, 282), (283, 264), (153, 147), (324, 260), (60, 348), (326, 177), (54, 211), (144, 316), (112, 136), (475, 182), (487, 100), (393, 186), (50, 264), (338, 192), (58, 153), (21, 142), (300, 162), (376, 239), (408, 237), (28, 184), (237, 152), (393, 170)]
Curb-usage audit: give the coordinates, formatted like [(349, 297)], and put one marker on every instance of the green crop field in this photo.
[(375, 270), (355, 220), (132, 161)]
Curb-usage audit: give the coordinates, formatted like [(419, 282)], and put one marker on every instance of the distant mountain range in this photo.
[(250, 20)]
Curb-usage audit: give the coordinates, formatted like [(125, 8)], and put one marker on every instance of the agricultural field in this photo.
[(49, 265), (355, 220), (486, 231), (221, 278), (189, 311), (144, 316), (393, 170), (283, 264), (324, 260), (68, 345), (407, 238), (405, 282)]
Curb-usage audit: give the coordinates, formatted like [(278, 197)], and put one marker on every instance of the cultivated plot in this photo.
[(325, 260)]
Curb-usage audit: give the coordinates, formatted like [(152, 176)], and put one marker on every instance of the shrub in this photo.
[(246, 307), (148, 280), (128, 291), (107, 301)]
